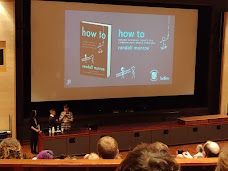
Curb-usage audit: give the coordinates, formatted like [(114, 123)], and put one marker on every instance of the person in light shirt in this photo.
[(66, 117)]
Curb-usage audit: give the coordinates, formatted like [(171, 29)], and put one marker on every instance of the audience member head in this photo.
[(52, 111), (200, 153), (33, 113), (159, 147), (199, 148), (211, 149), (92, 156), (222, 164), (107, 147), (10, 149), (142, 158), (66, 108), (45, 154), (156, 147)]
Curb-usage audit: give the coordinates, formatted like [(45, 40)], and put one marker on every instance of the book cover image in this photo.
[(95, 49)]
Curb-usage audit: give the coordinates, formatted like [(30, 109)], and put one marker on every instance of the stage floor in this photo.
[(191, 148)]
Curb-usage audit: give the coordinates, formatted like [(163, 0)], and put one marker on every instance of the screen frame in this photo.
[(203, 82)]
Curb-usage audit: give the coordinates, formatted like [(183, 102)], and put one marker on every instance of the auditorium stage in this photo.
[(83, 140)]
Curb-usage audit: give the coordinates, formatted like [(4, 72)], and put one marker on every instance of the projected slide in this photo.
[(117, 49)]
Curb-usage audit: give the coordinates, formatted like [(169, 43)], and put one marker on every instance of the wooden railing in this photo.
[(206, 164)]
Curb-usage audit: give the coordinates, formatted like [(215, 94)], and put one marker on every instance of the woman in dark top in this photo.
[(35, 129)]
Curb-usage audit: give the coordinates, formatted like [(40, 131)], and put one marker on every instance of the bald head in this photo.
[(211, 149)]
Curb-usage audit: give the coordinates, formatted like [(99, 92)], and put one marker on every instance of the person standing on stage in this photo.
[(66, 117), (53, 120), (35, 129)]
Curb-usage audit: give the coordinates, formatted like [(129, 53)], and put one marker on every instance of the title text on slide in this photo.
[(130, 34), (93, 34), (120, 34)]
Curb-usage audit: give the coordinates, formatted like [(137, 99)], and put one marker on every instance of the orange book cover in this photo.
[(95, 49)]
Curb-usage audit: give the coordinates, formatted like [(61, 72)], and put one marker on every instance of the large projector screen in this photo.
[(96, 51)]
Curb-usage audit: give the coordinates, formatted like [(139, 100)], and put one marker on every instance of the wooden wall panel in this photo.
[(224, 69), (7, 78)]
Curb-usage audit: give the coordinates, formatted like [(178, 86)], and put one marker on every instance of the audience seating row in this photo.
[(203, 164)]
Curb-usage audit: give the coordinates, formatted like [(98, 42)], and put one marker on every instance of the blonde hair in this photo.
[(92, 156), (222, 164), (107, 147), (199, 148), (10, 149)]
